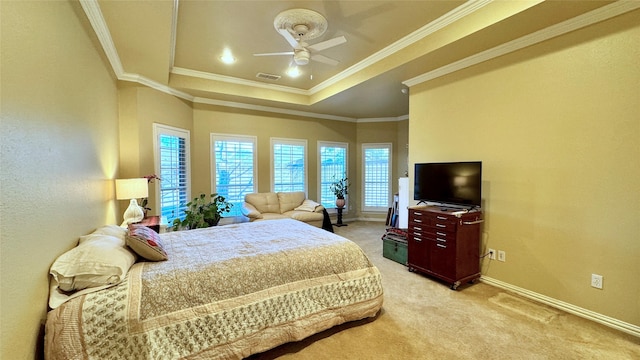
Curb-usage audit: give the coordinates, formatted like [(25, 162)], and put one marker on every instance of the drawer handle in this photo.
[(441, 226), (417, 228), (440, 234), (417, 220), (472, 222), (442, 246), (442, 240), (441, 218), (417, 239), (418, 213)]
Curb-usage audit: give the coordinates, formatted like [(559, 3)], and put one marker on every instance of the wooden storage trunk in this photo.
[(395, 250)]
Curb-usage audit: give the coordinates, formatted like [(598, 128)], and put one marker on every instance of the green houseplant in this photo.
[(340, 188), (201, 213)]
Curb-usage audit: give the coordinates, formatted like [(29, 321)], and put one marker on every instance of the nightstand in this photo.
[(155, 223)]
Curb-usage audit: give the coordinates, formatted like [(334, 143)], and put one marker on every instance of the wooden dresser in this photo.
[(444, 243)]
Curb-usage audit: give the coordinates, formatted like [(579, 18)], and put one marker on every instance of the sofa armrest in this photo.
[(319, 209), (250, 211)]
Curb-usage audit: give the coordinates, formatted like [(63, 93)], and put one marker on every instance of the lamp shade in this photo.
[(131, 188)]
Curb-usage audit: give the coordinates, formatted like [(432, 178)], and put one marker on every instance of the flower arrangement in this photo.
[(340, 188), (145, 201)]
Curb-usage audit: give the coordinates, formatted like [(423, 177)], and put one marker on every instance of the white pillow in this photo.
[(98, 262), (111, 230), (308, 205)]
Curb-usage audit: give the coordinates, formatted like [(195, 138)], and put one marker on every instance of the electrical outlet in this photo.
[(502, 255), (492, 254), (596, 281)]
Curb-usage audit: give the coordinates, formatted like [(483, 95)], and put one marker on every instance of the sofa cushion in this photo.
[(290, 200), (273, 216), (264, 202), (305, 216)]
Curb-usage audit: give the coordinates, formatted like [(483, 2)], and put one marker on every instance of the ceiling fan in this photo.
[(299, 25)]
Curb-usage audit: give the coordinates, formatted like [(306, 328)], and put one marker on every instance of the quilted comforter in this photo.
[(225, 293)]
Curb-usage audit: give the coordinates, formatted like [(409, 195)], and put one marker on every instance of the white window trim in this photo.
[(319, 172), (288, 141), (389, 200), (232, 137), (161, 129)]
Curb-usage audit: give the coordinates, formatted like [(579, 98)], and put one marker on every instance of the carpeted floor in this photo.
[(424, 319)]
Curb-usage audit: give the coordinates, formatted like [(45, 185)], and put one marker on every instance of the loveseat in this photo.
[(282, 205)]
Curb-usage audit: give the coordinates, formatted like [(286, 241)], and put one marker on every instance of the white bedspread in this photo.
[(225, 292)]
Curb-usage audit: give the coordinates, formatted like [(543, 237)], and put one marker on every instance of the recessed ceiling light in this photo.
[(293, 71), (227, 57)]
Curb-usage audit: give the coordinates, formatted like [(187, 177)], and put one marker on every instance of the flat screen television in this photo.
[(449, 183)]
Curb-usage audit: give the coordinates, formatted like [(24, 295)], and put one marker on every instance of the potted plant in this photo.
[(145, 201), (201, 213), (340, 188)]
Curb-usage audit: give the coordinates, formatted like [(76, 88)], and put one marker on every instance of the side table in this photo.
[(155, 223), (339, 223)]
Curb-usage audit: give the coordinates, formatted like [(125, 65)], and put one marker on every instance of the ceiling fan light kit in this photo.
[(301, 57), (299, 25)]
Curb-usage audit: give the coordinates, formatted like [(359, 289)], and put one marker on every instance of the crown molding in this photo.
[(384, 119), (272, 109), (452, 16), (236, 81), (438, 24), (590, 18), (94, 14), (156, 85), (174, 31)]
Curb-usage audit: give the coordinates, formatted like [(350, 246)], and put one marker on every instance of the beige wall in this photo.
[(139, 108), (393, 132), (556, 126), (59, 147), (402, 150), (209, 119)]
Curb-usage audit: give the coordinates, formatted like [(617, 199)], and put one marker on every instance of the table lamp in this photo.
[(132, 189)]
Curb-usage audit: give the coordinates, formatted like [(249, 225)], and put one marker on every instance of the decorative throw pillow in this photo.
[(146, 243), (308, 205)]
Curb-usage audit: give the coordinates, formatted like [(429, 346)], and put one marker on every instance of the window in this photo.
[(377, 172), (234, 168), (171, 147), (288, 165), (332, 166)]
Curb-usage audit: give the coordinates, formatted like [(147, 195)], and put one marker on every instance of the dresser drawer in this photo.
[(443, 223)]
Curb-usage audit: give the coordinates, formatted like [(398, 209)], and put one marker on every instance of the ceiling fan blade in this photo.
[(277, 53), (290, 39), (324, 59), (327, 44)]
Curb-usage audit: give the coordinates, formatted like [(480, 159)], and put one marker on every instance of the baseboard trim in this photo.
[(570, 308)]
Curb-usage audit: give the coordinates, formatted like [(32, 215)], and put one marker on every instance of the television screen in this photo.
[(455, 183)]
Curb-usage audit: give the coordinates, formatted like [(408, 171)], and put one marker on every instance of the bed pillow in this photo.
[(111, 230), (146, 243), (308, 205), (99, 262)]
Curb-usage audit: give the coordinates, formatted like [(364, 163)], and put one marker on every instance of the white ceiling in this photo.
[(175, 46)]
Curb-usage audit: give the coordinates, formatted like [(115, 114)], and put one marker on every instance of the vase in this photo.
[(340, 202)]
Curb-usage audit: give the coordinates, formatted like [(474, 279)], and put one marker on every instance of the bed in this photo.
[(223, 293)]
